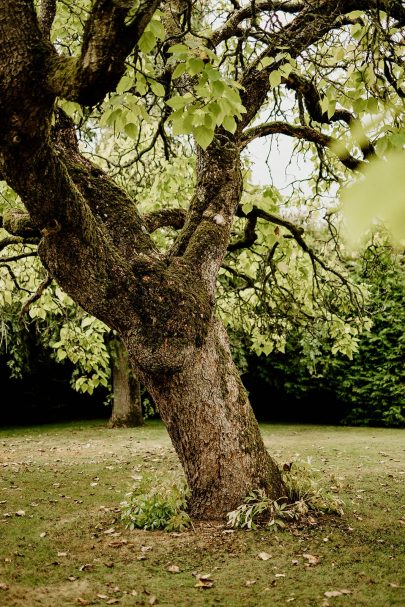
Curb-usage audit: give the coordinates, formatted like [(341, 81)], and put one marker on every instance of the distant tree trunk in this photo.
[(127, 406)]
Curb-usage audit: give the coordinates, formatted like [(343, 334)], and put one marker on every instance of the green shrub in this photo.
[(157, 504), (305, 496), (370, 388)]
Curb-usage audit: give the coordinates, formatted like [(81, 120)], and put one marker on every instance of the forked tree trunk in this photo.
[(127, 405), (213, 429)]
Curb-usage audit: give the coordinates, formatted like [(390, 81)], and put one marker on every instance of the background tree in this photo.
[(36, 315), (369, 389), (222, 68)]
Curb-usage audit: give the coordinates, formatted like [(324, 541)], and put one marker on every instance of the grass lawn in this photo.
[(61, 541)]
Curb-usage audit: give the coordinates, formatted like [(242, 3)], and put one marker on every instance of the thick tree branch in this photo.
[(111, 207), (312, 99), (170, 218), (230, 27), (108, 39), (301, 132), (249, 237), (13, 240), (18, 223)]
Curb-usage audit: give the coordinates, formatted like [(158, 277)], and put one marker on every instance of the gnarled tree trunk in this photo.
[(208, 416), (126, 391)]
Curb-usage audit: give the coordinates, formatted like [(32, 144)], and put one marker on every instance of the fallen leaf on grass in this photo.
[(110, 564), (146, 548), (341, 592), (20, 513), (203, 580), (62, 553), (118, 543), (264, 556), (312, 560), (153, 600), (279, 575), (102, 596), (250, 582), (86, 567), (173, 569), (83, 601), (72, 578), (43, 534), (4, 586), (108, 531), (112, 601)]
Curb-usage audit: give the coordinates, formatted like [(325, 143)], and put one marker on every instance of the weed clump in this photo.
[(156, 505), (305, 497)]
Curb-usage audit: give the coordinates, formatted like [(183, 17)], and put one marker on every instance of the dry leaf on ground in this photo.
[(311, 560), (203, 581), (173, 569), (264, 556), (341, 592)]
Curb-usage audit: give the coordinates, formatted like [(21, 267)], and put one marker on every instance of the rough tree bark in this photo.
[(97, 247), (126, 391)]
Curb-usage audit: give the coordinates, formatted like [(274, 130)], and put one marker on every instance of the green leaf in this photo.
[(212, 73), (203, 136), (229, 124), (275, 78), (218, 88), (331, 108), (157, 29), (132, 130), (179, 70), (179, 49), (157, 88), (125, 84), (195, 66), (147, 41), (179, 101)]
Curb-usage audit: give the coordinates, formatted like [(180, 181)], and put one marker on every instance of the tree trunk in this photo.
[(213, 429), (127, 407)]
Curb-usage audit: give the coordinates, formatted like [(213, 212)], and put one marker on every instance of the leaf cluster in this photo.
[(304, 496), (154, 505)]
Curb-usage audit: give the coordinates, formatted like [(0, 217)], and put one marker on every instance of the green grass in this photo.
[(69, 546)]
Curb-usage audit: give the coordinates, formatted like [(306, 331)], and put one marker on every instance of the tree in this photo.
[(370, 388), (126, 391), (220, 66), (35, 312)]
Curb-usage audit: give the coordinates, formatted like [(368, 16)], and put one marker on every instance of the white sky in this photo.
[(282, 170)]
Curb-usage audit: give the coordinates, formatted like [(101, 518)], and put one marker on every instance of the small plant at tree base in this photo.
[(153, 506), (304, 497)]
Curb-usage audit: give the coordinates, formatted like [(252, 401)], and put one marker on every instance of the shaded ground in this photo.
[(61, 542)]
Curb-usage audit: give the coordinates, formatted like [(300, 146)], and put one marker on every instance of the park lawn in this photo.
[(61, 541)]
